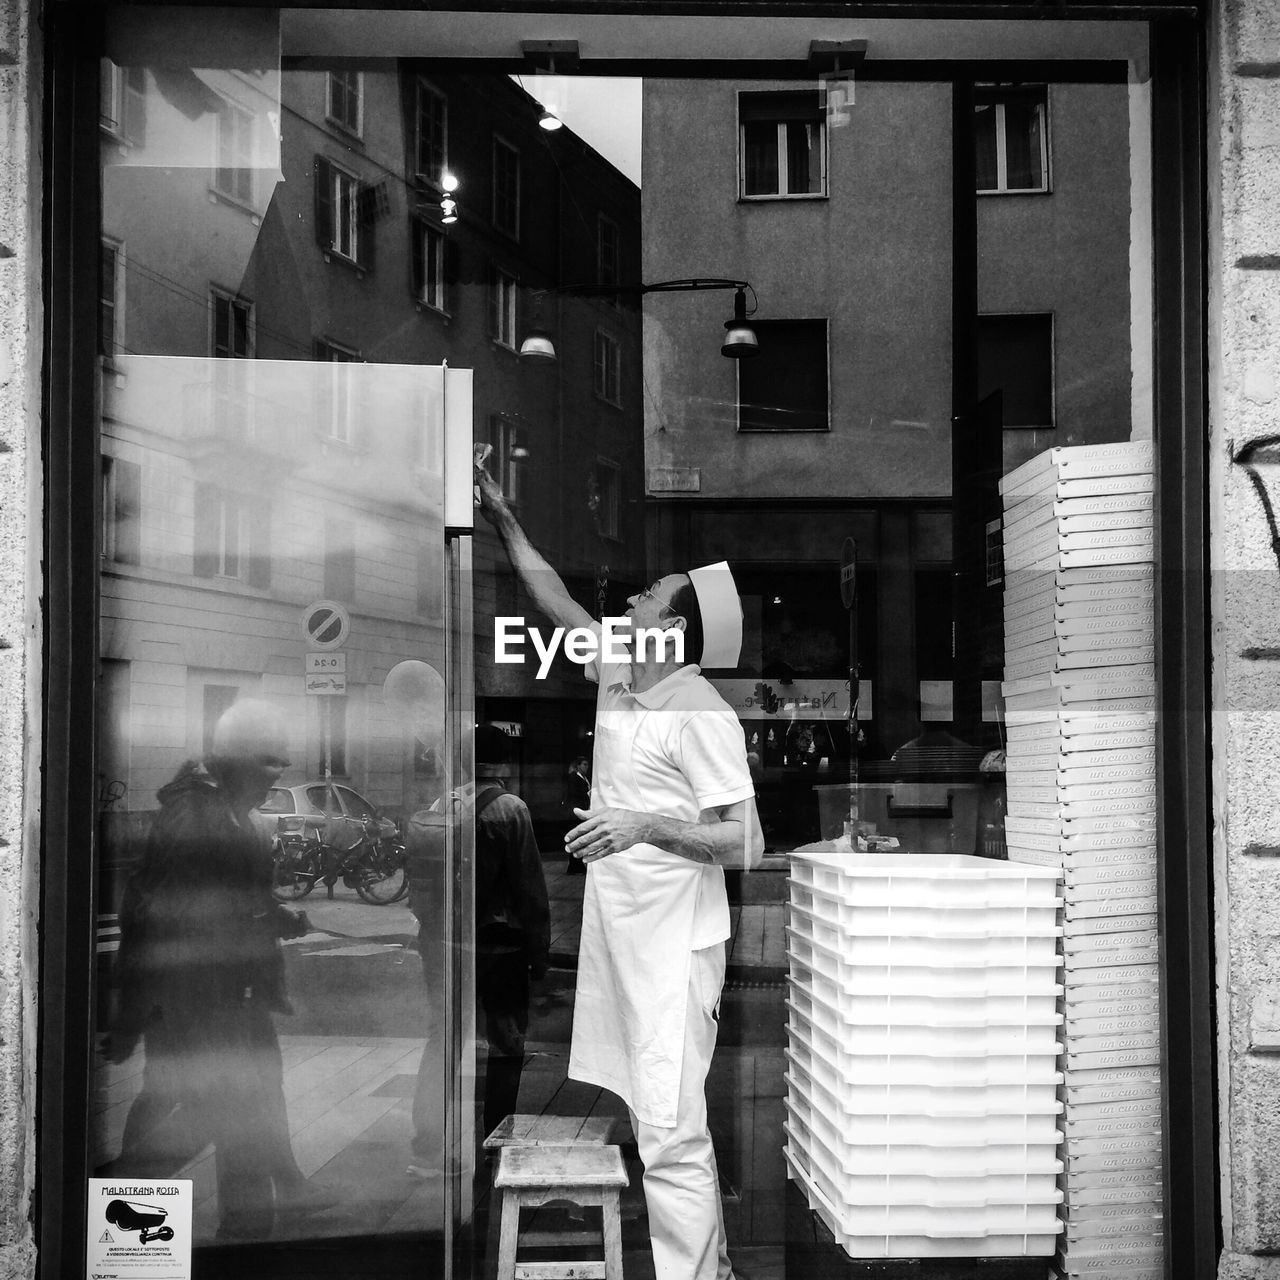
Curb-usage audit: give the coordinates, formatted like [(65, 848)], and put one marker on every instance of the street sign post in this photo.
[(325, 625)]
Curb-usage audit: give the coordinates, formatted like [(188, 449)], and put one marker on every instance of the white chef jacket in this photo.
[(675, 749)]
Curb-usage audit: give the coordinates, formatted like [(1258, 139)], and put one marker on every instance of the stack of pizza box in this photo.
[(1079, 696)]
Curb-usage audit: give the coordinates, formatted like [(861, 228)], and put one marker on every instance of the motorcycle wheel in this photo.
[(382, 876), (296, 868)]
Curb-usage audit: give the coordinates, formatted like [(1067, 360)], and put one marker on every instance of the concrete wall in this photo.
[(1244, 355), (20, 324)]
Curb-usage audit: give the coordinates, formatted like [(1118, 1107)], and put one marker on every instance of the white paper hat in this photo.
[(721, 611)]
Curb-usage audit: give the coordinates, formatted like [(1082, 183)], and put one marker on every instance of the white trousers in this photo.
[(681, 1185)]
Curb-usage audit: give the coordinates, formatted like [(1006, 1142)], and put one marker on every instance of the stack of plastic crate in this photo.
[(1080, 705), (922, 1079)]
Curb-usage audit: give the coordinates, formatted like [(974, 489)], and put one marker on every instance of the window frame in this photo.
[(506, 435), (500, 145), (327, 351), (118, 90), (609, 272), (333, 78), (606, 367), (433, 249), (116, 511), (110, 346), (1052, 424), (340, 179), (504, 309), (825, 321), (241, 188), (824, 165), (994, 91), (611, 527), (219, 296), (424, 87)]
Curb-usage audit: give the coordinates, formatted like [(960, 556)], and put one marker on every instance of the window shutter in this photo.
[(259, 551), (205, 542), (418, 277), (324, 203)]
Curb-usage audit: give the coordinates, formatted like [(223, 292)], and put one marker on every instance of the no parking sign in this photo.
[(325, 624)]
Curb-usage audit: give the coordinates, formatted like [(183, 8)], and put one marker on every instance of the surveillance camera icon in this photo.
[(129, 1215)]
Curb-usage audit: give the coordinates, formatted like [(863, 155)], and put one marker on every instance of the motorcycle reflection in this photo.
[(374, 866)]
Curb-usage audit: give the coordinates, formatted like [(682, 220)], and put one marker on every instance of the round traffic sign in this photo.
[(325, 624)]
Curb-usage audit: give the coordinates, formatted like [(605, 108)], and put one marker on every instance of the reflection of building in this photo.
[(256, 224), (841, 427)]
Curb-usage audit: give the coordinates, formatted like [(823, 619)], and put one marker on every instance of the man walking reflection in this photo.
[(200, 974), (672, 805)]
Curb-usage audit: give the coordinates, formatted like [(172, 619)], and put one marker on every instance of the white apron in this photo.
[(638, 915)]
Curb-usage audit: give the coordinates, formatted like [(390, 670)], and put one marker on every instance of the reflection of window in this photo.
[(432, 149), (231, 536), (339, 559), (1010, 135), (232, 327), (429, 246), (338, 211), (215, 699), (346, 100), (782, 145), (784, 386), (233, 173), (608, 362), (121, 510), (608, 254), (502, 308), (1015, 357), (506, 464), (608, 497), (506, 188), (123, 102), (111, 298), (333, 414)]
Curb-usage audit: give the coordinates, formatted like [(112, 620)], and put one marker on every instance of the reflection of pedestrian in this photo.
[(200, 974), (513, 937), (673, 804), (577, 795)]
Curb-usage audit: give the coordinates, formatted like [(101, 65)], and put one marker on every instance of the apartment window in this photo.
[(608, 498), (334, 412), (1015, 358), (1011, 139), (783, 146), (502, 309), (506, 188), (339, 559), (608, 253), (784, 386), (123, 103), (231, 330), (346, 100), (429, 249), (111, 298), (231, 532), (121, 510), (343, 218), (509, 455), (608, 362), (432, 149), (233, 172)]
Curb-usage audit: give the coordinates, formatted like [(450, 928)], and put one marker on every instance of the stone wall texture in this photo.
[(1244, 380), (20, 328)]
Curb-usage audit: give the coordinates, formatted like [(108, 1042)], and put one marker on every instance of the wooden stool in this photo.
[(549, 1131), (585, 1175)]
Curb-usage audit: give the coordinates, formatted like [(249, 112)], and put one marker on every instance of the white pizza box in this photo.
[(1149, 1106), (1127, 831), (1139, 513), (1090, 1201), (1048, 753), (1081, 487), (1087, 930), (1102, 1186), (1079, 462), (1069, 811), (1056, 533), (1043, 704), (1136, 1056), (1090, 1043), (1139, 825), (1071, 649), (1148, 1090), (1144, 1217), (1073, 625), (1094, 905), (1136, 995), (1080, 664), (1036, 509), (1127, 1152), (1111, 1127), (1053, 547), (1128, 1269), (1142, 889), (1074, 586), (1059, 560), (1148, 1246), (1141, 933), (1084, 982), (1082, 967), (1075, 796)]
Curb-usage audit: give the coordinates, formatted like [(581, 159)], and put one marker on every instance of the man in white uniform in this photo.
[(673, 804)]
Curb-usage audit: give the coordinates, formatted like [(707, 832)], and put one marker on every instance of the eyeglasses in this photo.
[(658, 600)]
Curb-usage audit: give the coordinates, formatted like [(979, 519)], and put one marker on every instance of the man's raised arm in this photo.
[(540, 580)]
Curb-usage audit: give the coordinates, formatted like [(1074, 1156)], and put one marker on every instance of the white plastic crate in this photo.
[(941, 949), (817, 1053), (908, 1246), (938, 1097), (925, 1007), (942, 1039), (1040, 979), (927, 918), (845, 1133), (922, 879)]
